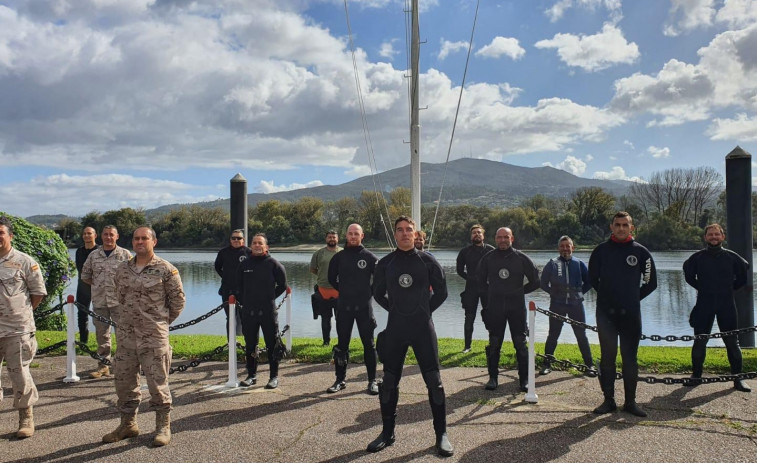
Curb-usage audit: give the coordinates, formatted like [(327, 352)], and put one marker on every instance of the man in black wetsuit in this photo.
[(84, 290), (260, 280), (410, 285), (350, 273), (467, 262), (500, 277), (226, 264), (622, 272), (715, 272)]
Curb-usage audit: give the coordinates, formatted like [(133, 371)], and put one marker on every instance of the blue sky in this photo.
[(114, 103)]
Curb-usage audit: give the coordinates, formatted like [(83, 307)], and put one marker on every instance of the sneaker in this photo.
[(524, 387), (742, 386), (249, 381), (337, 386), (273, 383), (444, 446), (545, 371), (466, 350), (373, 387), (592, 372), (607, 406), (380, 443)]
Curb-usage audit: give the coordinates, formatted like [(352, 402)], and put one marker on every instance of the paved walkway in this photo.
[(299, 422)]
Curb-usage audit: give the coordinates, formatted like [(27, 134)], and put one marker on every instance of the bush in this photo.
[(46, 247)]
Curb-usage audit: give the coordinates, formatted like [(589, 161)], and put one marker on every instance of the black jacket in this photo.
[(227, 261), (350, 273), (260, 280), (501, 273), (622, 274), (408, 283)]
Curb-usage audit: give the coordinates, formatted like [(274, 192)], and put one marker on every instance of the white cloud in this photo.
[(726, 76), (387, 49), (72, 194), (616, 173), (499, 46), (738, 13), (686, 15), (659, 152), (271, 187), (741, 128), (588, 158), (448, 47), (593, 52), (570, 164), (556, 11), (629, 144)]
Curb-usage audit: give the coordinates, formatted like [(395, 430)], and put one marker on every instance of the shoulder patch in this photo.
[(174, 272), (35, 267)]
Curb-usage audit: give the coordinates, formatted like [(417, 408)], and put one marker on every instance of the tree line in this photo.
[(669, 211)]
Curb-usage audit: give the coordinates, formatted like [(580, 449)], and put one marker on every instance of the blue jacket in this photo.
[(566, 281)]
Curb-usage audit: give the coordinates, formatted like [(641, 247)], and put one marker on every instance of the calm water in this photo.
[(664, 312)]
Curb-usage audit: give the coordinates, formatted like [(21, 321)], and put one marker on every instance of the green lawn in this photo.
[(652, 359)]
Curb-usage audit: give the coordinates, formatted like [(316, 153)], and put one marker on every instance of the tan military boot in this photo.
[(25, 423), (102, 372), (128, 428), (162, 428)]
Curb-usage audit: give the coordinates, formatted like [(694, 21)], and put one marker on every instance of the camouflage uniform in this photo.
[(149, 300), (20, 278), (100, 268)]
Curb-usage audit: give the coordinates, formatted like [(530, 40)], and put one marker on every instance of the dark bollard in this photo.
[(738, 186), (238, 204)]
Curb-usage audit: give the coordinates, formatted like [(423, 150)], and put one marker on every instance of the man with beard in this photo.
[(260, 280), (351, 273), (410, 285), (467, 262), (500, 277), (420, 240), (622, 272), (566, 280), (324, 298), (226, 264), (715, 272)]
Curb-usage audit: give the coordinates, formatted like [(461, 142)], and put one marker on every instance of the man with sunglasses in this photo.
[(227, 262)]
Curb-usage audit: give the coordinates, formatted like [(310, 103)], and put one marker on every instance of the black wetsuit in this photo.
[(260, 280), (226, 264), (622, 274), (350, 273), (467, 262), (500, 276), (410, 285), (715, 273), (83, 293)]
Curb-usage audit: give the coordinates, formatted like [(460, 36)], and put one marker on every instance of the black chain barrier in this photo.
[(195, 362), (50, 310), (196, 320), (93, 354), (265, 349), (588, 370), (51, 348), (654, 337), (97, 317)]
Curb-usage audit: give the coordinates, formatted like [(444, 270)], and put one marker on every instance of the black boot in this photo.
[(633, 409), (741, 385), (492, 365), (388, 399), (444, 446), (437, 401), (608, 406)]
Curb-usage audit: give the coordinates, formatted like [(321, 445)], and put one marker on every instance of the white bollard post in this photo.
[(289, 319), (232, 343), (531, 396), (71, 341)]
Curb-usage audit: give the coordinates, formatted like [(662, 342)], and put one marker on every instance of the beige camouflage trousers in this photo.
[(102, 332), (18, 352), (155, 363)]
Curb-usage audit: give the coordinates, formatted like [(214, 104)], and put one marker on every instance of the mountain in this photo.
[(470, 181)]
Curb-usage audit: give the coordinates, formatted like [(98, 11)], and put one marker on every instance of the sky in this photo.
[(107, 104)]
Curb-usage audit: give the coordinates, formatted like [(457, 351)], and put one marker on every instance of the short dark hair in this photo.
[(112, 227), (332, 232), (149, 229), (477, 225), (622, 215), (8, 224), (262, 235), (404, 218), (238, 230)]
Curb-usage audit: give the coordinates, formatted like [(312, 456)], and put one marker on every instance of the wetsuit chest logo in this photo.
[(504, 273), (406, 280), (242, 258), (361, 264), (632, 260)]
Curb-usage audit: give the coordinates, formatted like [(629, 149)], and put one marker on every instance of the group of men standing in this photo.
[(144, 295)]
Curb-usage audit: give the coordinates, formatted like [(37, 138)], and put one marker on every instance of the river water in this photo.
[(664, 312)]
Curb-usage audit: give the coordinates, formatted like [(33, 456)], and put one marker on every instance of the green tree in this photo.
[(592, 206), (46, 247)]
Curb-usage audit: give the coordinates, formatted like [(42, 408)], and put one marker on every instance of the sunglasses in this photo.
[(237, 238)]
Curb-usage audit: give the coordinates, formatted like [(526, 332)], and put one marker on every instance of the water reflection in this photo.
[(664, 312)]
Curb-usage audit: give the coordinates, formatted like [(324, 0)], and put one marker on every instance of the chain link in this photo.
[(197, 320), (195, 362), (49, 311), (94, 355), (655, 337), (94, 315), (586, 369), (50, 348)]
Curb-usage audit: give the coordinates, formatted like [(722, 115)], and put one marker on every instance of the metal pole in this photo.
[(232, 382), (531, 396), (71, 376), (238, 204), (415, 127), (738, 191), (289, 318)]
